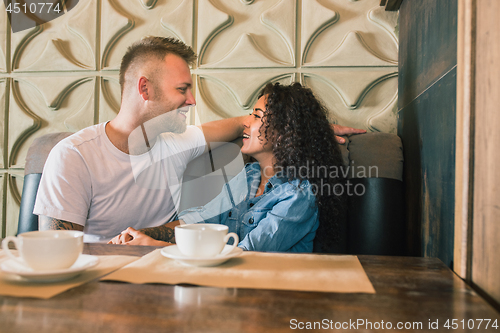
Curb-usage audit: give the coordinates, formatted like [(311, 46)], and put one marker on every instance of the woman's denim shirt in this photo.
[(283, 219)]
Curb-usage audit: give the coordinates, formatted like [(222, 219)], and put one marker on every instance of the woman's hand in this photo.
[(130, 236), (121, 239)]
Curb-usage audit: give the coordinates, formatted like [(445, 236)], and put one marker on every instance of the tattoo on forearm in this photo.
[(49, 223), (162, 233)]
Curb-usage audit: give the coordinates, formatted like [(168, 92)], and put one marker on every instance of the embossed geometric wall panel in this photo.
[(3, 110), (229, 94), (41, 105), (128, 21), (233, 34), (4, 30), (358, 98), (110, 98), (348, 33), (64, 44)]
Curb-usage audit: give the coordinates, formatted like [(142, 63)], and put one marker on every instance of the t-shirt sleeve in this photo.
[(65, 187), (199, 141)]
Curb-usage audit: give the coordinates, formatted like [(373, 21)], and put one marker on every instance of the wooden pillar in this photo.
[(477, 200), (486, 155), (465, 136)]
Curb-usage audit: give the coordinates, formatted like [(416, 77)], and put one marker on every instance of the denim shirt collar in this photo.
[(253, 179)]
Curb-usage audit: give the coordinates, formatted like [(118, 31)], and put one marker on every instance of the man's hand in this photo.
[(162, 235), (344, 130), (135, 237)]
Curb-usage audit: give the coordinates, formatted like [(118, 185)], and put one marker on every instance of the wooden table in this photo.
[(410, 291)]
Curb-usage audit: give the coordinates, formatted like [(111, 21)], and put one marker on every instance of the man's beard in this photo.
[(173, 121), (170, 122)]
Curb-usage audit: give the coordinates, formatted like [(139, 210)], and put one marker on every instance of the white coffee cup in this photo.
[(203, 240), (46, 250)]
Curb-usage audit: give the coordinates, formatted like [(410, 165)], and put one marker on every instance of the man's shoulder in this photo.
[(81, 137)]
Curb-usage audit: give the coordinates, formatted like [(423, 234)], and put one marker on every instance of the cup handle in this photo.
[(5, 247), (235, 243)]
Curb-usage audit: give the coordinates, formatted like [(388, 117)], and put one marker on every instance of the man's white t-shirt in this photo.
[(88, 181)]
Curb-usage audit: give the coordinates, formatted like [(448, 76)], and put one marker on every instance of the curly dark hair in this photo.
[(305, 148)]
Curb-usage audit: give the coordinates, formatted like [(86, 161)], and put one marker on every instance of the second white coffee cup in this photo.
[(46, 250), (203, 240)]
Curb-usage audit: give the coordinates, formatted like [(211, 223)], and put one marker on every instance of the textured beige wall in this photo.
[(62, 76)]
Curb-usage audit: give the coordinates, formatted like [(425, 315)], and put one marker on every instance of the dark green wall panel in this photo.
[(427, 129), (426, 122)]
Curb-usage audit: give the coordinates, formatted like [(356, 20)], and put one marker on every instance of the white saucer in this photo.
[(173, 252), (83, 262)]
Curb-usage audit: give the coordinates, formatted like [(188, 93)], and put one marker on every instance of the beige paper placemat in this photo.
[(256, 270), (13, 285)]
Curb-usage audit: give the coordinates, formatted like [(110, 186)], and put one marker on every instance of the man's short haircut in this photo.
[(156, 47)]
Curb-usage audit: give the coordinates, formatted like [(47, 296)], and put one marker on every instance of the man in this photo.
[(90, 180)]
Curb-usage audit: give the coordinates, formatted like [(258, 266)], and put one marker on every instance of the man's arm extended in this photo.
[(49, 223), (164, 232), (229, 129), (224, 130), (155, 236)]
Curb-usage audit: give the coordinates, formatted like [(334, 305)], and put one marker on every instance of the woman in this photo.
[(288, 200)]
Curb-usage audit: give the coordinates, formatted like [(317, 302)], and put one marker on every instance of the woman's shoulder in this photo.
[(300, 184), (302, 189)]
